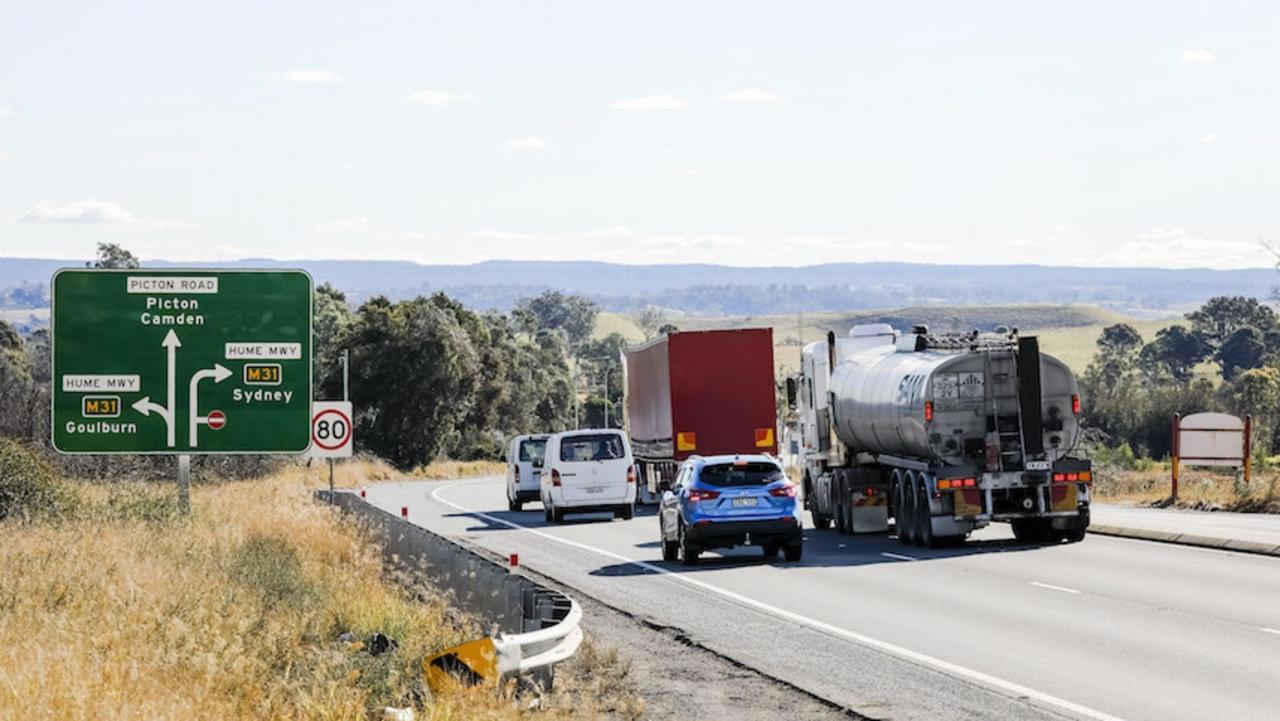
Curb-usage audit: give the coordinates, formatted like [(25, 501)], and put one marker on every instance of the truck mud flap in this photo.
[(1029, 397)]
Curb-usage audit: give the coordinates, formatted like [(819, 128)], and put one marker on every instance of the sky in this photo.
[(742, 133)]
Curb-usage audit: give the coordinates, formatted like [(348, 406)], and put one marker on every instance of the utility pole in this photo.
[(345, 360), (606, 395)]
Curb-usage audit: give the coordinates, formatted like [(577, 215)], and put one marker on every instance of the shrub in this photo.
[(271, 567), (29, 487)]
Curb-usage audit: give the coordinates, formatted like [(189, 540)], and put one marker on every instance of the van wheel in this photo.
[(688, 551), (625, 512), (557, 515), (793, 551), (514, 505)]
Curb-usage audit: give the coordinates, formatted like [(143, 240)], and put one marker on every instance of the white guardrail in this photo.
[(523, 652)]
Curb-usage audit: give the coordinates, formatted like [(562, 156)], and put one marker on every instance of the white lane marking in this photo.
[(898, 556), (821, 626), (1052, 587), (1264, 629)]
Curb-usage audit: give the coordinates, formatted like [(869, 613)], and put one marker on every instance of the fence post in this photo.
[(1177, 423), (1248, 447)]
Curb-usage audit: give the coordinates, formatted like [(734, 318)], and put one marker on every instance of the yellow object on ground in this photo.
[(471, 663)]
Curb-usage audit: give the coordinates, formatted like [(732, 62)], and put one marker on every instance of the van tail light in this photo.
[(928, 411), (697, 494), (555, 477), (1075, 404), (787, 490), (631, 474), (517, 475)]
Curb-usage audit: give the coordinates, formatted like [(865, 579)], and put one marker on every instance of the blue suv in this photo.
[(727, 501)]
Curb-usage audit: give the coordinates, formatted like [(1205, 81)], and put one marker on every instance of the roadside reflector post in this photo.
[(184, 483), (362, 493), (515, 560), (404, 512)]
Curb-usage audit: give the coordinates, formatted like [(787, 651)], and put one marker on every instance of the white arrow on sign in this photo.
[(218, 373), (146, 406)]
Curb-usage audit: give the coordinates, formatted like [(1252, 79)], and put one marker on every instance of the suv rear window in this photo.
[(746, 474), (533, 450), (601, 447)]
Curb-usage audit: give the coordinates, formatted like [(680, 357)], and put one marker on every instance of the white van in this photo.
[(524, 466), (588, 470)]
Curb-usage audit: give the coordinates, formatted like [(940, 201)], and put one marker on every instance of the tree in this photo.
[(1118, 340), (667, 328), (1176, 350), (575, 315), (414, 375), (649, 320), (1242, 351), (111, 255), (1117, 356), (1256, 392), (332, 320), (39, 355), (1219, 318)]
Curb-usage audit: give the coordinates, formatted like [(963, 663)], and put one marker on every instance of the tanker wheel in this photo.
[(924, 529), (837, 504), (1074, 532), (820, 521), (903, 515)]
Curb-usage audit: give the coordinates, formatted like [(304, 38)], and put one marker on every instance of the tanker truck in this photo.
[(941, 433)]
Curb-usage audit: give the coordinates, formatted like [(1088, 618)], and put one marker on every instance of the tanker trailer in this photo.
[(941, 433)]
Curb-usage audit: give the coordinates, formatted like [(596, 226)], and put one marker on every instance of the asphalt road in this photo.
[(1109, 628)]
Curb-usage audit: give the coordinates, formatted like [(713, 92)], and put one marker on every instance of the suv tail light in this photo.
[(784, 491), (555, 477), (697, 494), (631, 474)]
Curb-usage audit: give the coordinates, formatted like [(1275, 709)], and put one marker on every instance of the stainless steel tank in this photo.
[(972, 396)]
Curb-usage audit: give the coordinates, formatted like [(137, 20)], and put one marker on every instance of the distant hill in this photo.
[(729, 290)]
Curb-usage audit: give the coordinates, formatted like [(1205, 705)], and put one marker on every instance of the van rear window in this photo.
[(748, 474), (601, 447), (533, 450)]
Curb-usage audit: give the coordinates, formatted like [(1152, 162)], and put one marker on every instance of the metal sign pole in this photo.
[(184, 483), (1177, 432), (331, 498), (346, 375)]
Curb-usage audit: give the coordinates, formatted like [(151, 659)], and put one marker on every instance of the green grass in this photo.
[(608, 322)]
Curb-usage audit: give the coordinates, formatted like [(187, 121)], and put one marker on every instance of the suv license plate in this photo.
[(740, 502)]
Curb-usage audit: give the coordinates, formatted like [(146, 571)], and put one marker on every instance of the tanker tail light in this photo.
[(928, 411), (1075, 404)]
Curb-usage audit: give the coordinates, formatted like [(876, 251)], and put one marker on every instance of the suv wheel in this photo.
[(688, 551)]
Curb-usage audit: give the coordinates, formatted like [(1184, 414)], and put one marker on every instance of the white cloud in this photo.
[(530, 143), (1020, 243), (6, 112), (1172, 247), (649, 103), (345, 225), (616, 231), (97, 212), (437, 98), (1207, 139), (311, 76), (3, 156), (1197, 56), (488, 234), (753, 95)]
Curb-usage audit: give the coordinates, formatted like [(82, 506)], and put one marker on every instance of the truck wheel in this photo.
[(688, 551), (793, 552), (1031, 530), (924, 529), (903, 515), (1079, 526)]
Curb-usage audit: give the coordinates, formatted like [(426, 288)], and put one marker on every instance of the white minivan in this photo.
[(524, 466), (588, 470)]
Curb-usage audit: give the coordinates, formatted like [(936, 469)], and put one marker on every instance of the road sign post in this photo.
[(126, 343), (332, 434)]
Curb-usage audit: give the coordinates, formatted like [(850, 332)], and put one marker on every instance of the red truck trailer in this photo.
[(699, 393)]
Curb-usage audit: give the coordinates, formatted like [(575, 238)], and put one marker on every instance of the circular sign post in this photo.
[(331, 429)]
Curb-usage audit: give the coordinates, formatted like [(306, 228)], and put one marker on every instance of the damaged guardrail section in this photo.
[(537, 627)]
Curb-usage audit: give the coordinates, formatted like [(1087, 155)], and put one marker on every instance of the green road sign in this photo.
[(181, 361)]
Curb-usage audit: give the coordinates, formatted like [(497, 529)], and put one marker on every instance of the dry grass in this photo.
[(1197, 488), (360, 470), (125, 610)]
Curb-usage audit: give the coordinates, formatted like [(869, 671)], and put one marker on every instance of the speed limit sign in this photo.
[(331, 430)]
